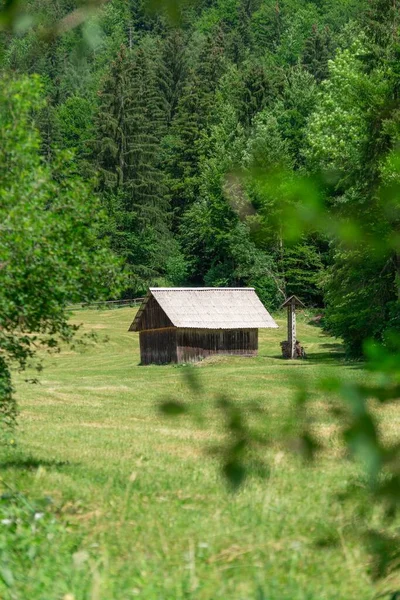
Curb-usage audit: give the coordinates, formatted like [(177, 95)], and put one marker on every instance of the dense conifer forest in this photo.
[(191, 131)]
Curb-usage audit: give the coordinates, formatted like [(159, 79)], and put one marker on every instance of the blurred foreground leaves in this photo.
[(303, 209), (16, 16)]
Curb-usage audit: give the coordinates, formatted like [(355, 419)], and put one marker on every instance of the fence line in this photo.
[(108, 303)]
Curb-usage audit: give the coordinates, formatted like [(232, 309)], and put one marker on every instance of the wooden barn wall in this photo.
[(194, 344), (158, 346), (153, 316)]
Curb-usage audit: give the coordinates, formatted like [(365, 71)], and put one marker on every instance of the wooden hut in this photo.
[(187, 324)]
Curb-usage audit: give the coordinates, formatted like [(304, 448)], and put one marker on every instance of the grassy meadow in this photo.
[(106, 498)]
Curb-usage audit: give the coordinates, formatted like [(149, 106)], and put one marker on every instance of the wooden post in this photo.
[(292, 328), (291, 304)]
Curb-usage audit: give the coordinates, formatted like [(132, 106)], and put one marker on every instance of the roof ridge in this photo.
[(201, 289)]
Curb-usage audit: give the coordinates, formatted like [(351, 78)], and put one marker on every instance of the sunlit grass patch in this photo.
[(139, 498)]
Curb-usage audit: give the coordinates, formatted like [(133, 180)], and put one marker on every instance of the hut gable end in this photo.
[(151, 316)]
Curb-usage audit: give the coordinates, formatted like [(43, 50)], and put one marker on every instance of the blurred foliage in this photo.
[(31, 528), (348, 197)]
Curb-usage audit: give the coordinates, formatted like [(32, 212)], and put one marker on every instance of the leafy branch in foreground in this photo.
[(50, 253), (354, 407), (252, 436)]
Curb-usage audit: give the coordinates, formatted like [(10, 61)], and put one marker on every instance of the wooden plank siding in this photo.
[(195, 344), (158, 346), (153, 317)]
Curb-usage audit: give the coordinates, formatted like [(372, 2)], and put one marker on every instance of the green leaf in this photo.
[(6, 575)]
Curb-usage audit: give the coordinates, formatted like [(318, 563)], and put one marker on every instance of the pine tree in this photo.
[(113, 124), (381, 21), (130, 125), (317, 52), (174, 68), (302, 266), (242, 38), (266, 27), (260, 82), (194, 116), (144, 185)]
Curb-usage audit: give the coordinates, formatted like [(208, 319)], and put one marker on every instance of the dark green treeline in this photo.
[(174, 119)]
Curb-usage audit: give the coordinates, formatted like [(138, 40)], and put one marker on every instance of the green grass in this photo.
[(134, 505)]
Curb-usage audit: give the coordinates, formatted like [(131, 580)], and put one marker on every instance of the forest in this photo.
[(189, 130)]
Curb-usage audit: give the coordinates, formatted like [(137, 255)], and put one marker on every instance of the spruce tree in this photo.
[(194, 116), (266, 27), (113, 124), (130, 125), (317, 52), (144, 186), (242, 38), (381, 21), (173, 70), (260, 83)]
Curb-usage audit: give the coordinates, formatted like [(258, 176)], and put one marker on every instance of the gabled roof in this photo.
[(294, 299), (210, 308)]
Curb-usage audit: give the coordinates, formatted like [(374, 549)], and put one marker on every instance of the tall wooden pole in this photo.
[(289, 346), (292, 328)]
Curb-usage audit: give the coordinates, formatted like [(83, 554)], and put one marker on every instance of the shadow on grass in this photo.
[(316, 358), (321, 358), (334, 354), (334, 347), (325, 357), (30, 463)]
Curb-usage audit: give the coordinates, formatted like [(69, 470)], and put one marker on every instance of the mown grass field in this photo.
[(117, 501)]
